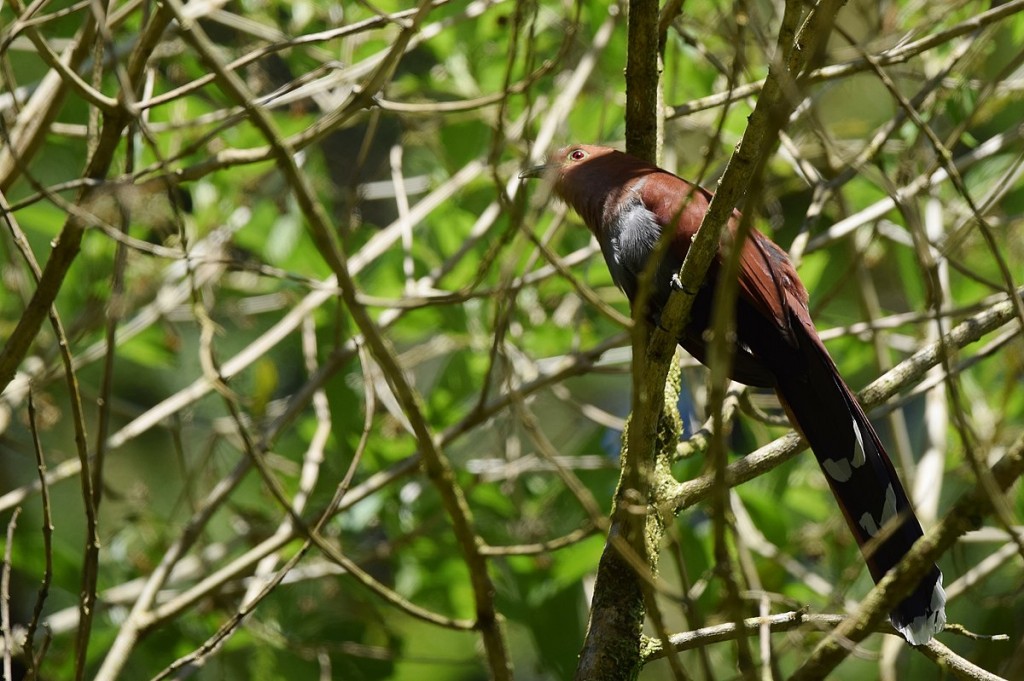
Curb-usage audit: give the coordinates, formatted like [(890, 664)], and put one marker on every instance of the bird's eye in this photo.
[(577, 155)]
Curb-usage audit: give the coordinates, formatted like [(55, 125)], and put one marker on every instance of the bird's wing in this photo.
[(769, 282), (767, 279)]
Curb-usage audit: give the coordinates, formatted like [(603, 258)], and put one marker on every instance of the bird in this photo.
[(627, 203)]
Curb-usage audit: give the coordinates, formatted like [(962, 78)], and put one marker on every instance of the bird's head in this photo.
[(588, 177), (585, 175), (566, 162)]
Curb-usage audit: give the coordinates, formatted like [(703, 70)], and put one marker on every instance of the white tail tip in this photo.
[(923, 627)]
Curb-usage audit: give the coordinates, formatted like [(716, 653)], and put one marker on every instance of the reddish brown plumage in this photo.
[(626, 203)]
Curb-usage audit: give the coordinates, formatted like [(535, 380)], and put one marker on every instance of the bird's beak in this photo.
[(537, 171)]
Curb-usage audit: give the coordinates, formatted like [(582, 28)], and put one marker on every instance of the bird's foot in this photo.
[(677, 285)]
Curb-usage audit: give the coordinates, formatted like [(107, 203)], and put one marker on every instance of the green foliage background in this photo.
[(485, 325)]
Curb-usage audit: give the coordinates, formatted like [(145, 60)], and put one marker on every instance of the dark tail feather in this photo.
[(862, 479)]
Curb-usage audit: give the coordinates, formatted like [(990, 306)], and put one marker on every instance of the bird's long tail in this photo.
[(862, 479)]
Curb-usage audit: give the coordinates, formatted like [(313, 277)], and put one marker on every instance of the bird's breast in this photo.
[(630, 236)]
